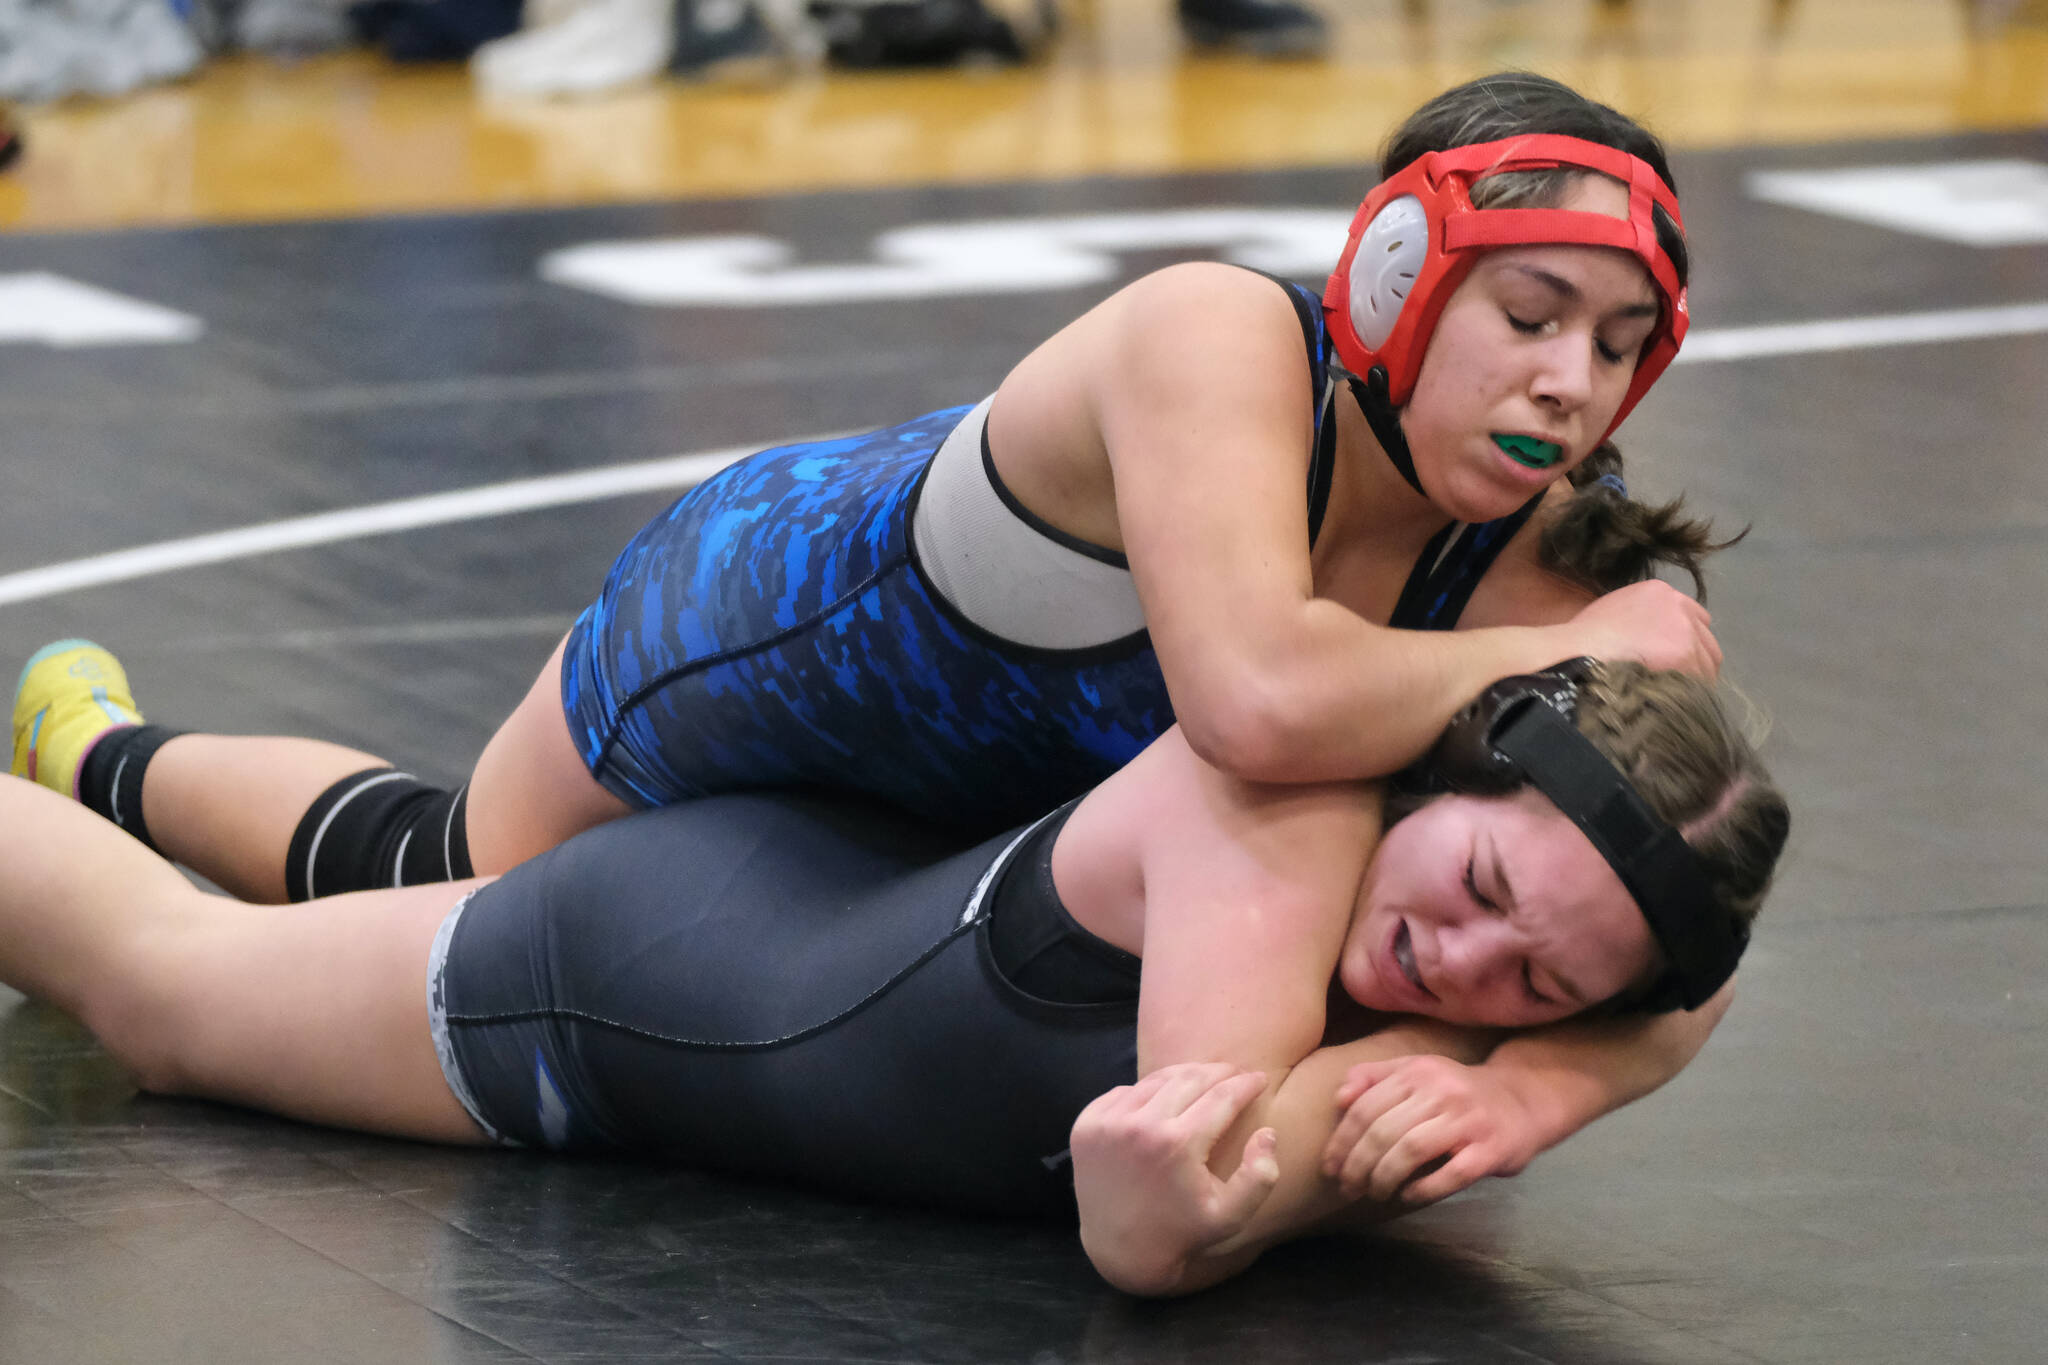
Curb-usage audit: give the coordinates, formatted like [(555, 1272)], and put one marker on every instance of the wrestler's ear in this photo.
[(1464, 758)]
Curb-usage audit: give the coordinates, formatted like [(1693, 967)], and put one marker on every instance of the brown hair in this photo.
[(1604, 539), (1669, 734)]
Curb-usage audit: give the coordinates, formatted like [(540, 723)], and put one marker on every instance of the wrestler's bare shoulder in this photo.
[(1200, 352)]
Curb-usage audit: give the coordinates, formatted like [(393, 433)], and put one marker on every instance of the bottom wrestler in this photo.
[(824, 991)]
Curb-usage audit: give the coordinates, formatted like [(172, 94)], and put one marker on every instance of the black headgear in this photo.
[(1521, 730)]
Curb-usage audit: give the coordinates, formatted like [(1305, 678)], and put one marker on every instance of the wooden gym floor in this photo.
[(311, 408)]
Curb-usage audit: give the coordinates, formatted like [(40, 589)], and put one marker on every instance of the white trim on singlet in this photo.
[(996, 866), (437, 1023), (1006, 576), (1452, 543)]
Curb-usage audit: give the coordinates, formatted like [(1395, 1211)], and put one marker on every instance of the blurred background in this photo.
[(341, 347), (269, 109)]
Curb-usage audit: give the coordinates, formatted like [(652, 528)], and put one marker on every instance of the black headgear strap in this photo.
[(1701, 941), (1385, 420)]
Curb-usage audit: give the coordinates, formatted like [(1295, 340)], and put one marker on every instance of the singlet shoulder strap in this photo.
[(1036, 943), (1450, 567), (1308, 310)]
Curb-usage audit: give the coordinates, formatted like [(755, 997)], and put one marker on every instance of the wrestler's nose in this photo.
[(1563, 378)]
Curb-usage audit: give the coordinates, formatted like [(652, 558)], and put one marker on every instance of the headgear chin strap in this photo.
[(1417, 236)]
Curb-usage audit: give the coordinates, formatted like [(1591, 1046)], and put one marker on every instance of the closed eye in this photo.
[(1612, 355), (1629, 349), (1479, 897)]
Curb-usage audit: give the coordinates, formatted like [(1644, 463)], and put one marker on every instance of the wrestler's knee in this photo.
[(531, 790)]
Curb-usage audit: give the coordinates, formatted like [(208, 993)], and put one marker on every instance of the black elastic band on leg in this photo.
[(436, 848), (380, 827), (110, 778)]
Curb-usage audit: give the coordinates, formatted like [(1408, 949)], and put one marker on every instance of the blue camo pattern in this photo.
[(769, 631)]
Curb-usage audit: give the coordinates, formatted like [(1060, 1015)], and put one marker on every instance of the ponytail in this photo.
[(1604, 539)]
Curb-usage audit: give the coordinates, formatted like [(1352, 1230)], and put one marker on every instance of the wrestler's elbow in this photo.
[(1147, 1277), (1250, 727), (1135, 1249), (1128, 1252), (1166, 1276)]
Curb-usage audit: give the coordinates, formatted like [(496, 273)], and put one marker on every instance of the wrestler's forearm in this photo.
[(1302, 1111), (1282, 700), (1151, 1251), (1572, 1073), (1568, 1075)]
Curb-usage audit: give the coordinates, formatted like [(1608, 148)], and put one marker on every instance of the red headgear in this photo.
[(1417, 236)]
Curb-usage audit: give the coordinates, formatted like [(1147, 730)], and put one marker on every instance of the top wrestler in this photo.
[(976, 615), (818, 987)]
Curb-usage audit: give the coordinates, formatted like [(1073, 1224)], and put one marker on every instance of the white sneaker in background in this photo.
[(602, 45)]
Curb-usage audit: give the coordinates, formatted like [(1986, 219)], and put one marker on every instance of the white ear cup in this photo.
[(1390, 255)]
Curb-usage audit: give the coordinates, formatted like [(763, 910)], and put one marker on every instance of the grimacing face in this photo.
[(1537, 342), (1492, 911)]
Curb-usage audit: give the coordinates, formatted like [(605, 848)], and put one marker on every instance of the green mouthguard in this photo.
[(1527, 450)]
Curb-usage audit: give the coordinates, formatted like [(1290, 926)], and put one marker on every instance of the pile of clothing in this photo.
[(600, 44), (595, 45), (53, 48)]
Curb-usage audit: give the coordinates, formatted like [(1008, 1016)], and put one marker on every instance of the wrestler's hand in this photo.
[(1651, 622), (1419, 1129), (1149, 1202)]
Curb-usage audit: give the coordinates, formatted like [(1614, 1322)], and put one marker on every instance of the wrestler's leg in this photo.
[(530, 790), (317, 1012), (226, 806), (231, 807)]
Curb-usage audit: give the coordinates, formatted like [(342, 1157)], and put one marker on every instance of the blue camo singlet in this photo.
[(773, 629)]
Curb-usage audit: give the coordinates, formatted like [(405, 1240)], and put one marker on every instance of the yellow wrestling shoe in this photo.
[(70, 693)]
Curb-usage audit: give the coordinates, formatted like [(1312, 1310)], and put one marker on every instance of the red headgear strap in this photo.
[(1440, 183)]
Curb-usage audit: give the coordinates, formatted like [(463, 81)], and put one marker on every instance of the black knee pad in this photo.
[(377, 828)]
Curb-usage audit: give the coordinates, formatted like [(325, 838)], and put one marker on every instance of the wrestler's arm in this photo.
[(1156, 1222), (1197, 384), (1248, 892), (1536, 1089), (1578, 1070)]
